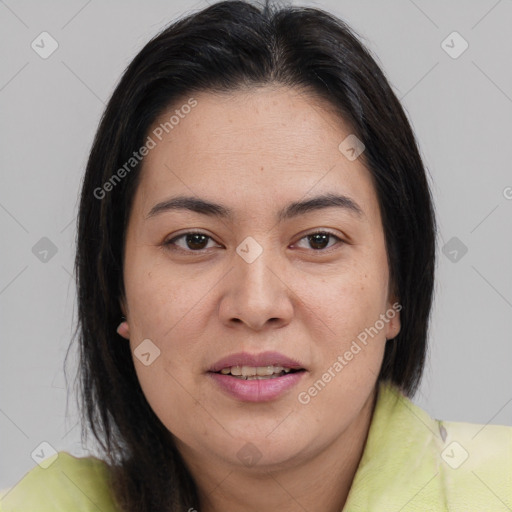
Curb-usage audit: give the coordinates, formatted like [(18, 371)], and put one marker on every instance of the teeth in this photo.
[(264, 370), (253, 372), (247, 371)]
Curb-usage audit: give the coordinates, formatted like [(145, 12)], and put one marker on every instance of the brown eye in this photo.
[(194, 241), (320, 239)]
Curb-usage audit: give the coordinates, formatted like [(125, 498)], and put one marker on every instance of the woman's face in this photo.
[(252, 284)]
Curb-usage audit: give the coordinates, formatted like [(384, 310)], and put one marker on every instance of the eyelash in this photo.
[(170, 243)]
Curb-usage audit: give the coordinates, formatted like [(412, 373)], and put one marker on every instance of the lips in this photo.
[(243, 376)]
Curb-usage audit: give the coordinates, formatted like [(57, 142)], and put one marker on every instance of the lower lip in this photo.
[(256, 390)]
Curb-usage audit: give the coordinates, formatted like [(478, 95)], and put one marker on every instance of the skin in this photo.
[(255, 151)]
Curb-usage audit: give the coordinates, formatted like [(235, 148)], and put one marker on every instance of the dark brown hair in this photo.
[(228, 45)]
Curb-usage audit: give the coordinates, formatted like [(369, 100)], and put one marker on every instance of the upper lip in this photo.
[(262, 359)]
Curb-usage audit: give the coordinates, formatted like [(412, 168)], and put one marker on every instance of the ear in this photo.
[(123, 330), (393, 324)]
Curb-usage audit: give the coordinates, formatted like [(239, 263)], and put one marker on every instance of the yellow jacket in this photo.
[(411, 463)]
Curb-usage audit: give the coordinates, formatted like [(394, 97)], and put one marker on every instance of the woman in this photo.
[(255, 268)]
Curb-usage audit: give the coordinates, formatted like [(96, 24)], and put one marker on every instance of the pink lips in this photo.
[(256, 390)]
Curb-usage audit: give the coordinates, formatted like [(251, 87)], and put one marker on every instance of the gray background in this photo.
[(460, 109)]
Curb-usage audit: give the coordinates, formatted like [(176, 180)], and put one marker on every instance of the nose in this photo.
[(256, 293)]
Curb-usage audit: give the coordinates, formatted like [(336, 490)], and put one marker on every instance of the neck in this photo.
[(319, 482)]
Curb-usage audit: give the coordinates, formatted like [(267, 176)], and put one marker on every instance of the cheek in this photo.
[(344, 302), (348, 348), (159, 297), (167, 307), (172, 398), (162, 310), (348, 342)]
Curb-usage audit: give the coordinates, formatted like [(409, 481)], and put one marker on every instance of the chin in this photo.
[(266, 456), (273, 448)]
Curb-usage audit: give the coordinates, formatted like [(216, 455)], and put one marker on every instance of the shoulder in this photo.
[(470, 463), (411, 458), (477, 464), (62, 483)]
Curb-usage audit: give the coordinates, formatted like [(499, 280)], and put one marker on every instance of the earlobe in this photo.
[(394, 322), (124, 330), (394, 327)]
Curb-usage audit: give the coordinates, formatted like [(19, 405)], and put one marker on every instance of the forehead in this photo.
[(253, 148)]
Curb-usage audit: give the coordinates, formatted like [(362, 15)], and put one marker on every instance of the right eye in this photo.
[(194, 241)]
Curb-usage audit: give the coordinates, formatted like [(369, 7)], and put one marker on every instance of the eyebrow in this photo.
[(290, 211)]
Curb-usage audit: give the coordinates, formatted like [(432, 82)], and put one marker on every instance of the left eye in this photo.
[(320, 238), (195, 241)]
